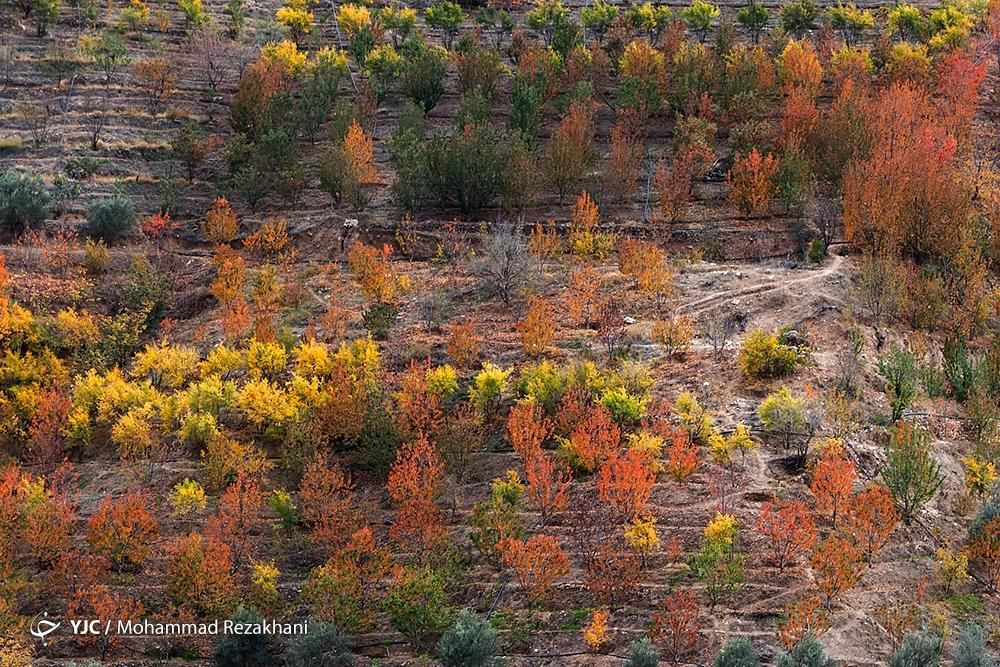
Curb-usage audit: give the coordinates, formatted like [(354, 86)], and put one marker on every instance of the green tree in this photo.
[(799, 16), (898, 370), (423, 76), (110, 55), (700, 16), (911, 474), (599, 17), (754, 18), (446, 16)]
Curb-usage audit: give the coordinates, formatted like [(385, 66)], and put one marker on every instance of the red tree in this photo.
[(415, 482), (418, 411), (121, 531), (788, 529), (326, 495), (239, 516), (548, 485), (537, 562), (626, 483), (675, 625), (837, 565), (682, 455), (751, 181), (871, 518), (833, 482), (527, 429)]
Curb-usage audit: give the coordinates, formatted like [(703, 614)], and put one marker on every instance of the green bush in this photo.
[(322, 646), (423, 76), (244, 650), (470, 642), (642, 654), (379, 319), (815, 252), (807, 653), (466, 168), (24, 200), (417, 605), (918, 649), (764, 356), (972, 650), (624, 408), (110, 218), (737, 652)]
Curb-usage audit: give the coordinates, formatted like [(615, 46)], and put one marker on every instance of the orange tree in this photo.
[(121, 531)]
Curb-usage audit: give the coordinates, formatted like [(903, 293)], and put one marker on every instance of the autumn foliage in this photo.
[(415, 482), (788, 529), (537, 563), (122, 530), (833, 483), (751, 181), (625, 482)]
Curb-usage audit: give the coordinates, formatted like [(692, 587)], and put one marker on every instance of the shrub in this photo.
[(244, 649), (807, 653), (737, 652), (642, 653), (764, 356), (470, 642), (24, 200), (110, 218), (187, 496), (466, 168), (417, 605), (918, 649), (972, 650), (422, 78), (322, 646), (624, 408), (504, 266)]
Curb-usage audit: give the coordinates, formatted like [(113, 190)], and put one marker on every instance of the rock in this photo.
[(793, 337), (628, 320)]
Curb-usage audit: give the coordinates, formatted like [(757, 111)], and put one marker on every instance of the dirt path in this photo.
[(761, 286)]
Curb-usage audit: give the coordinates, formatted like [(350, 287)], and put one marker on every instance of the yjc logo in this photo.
[(42, 627)]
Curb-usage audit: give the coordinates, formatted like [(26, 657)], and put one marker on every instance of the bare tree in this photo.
[(8, 58), (37, 117), (505, 265), (719, 326), (214, 55), (827, 221), (611, 328), (879, 287), (96, 119)]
